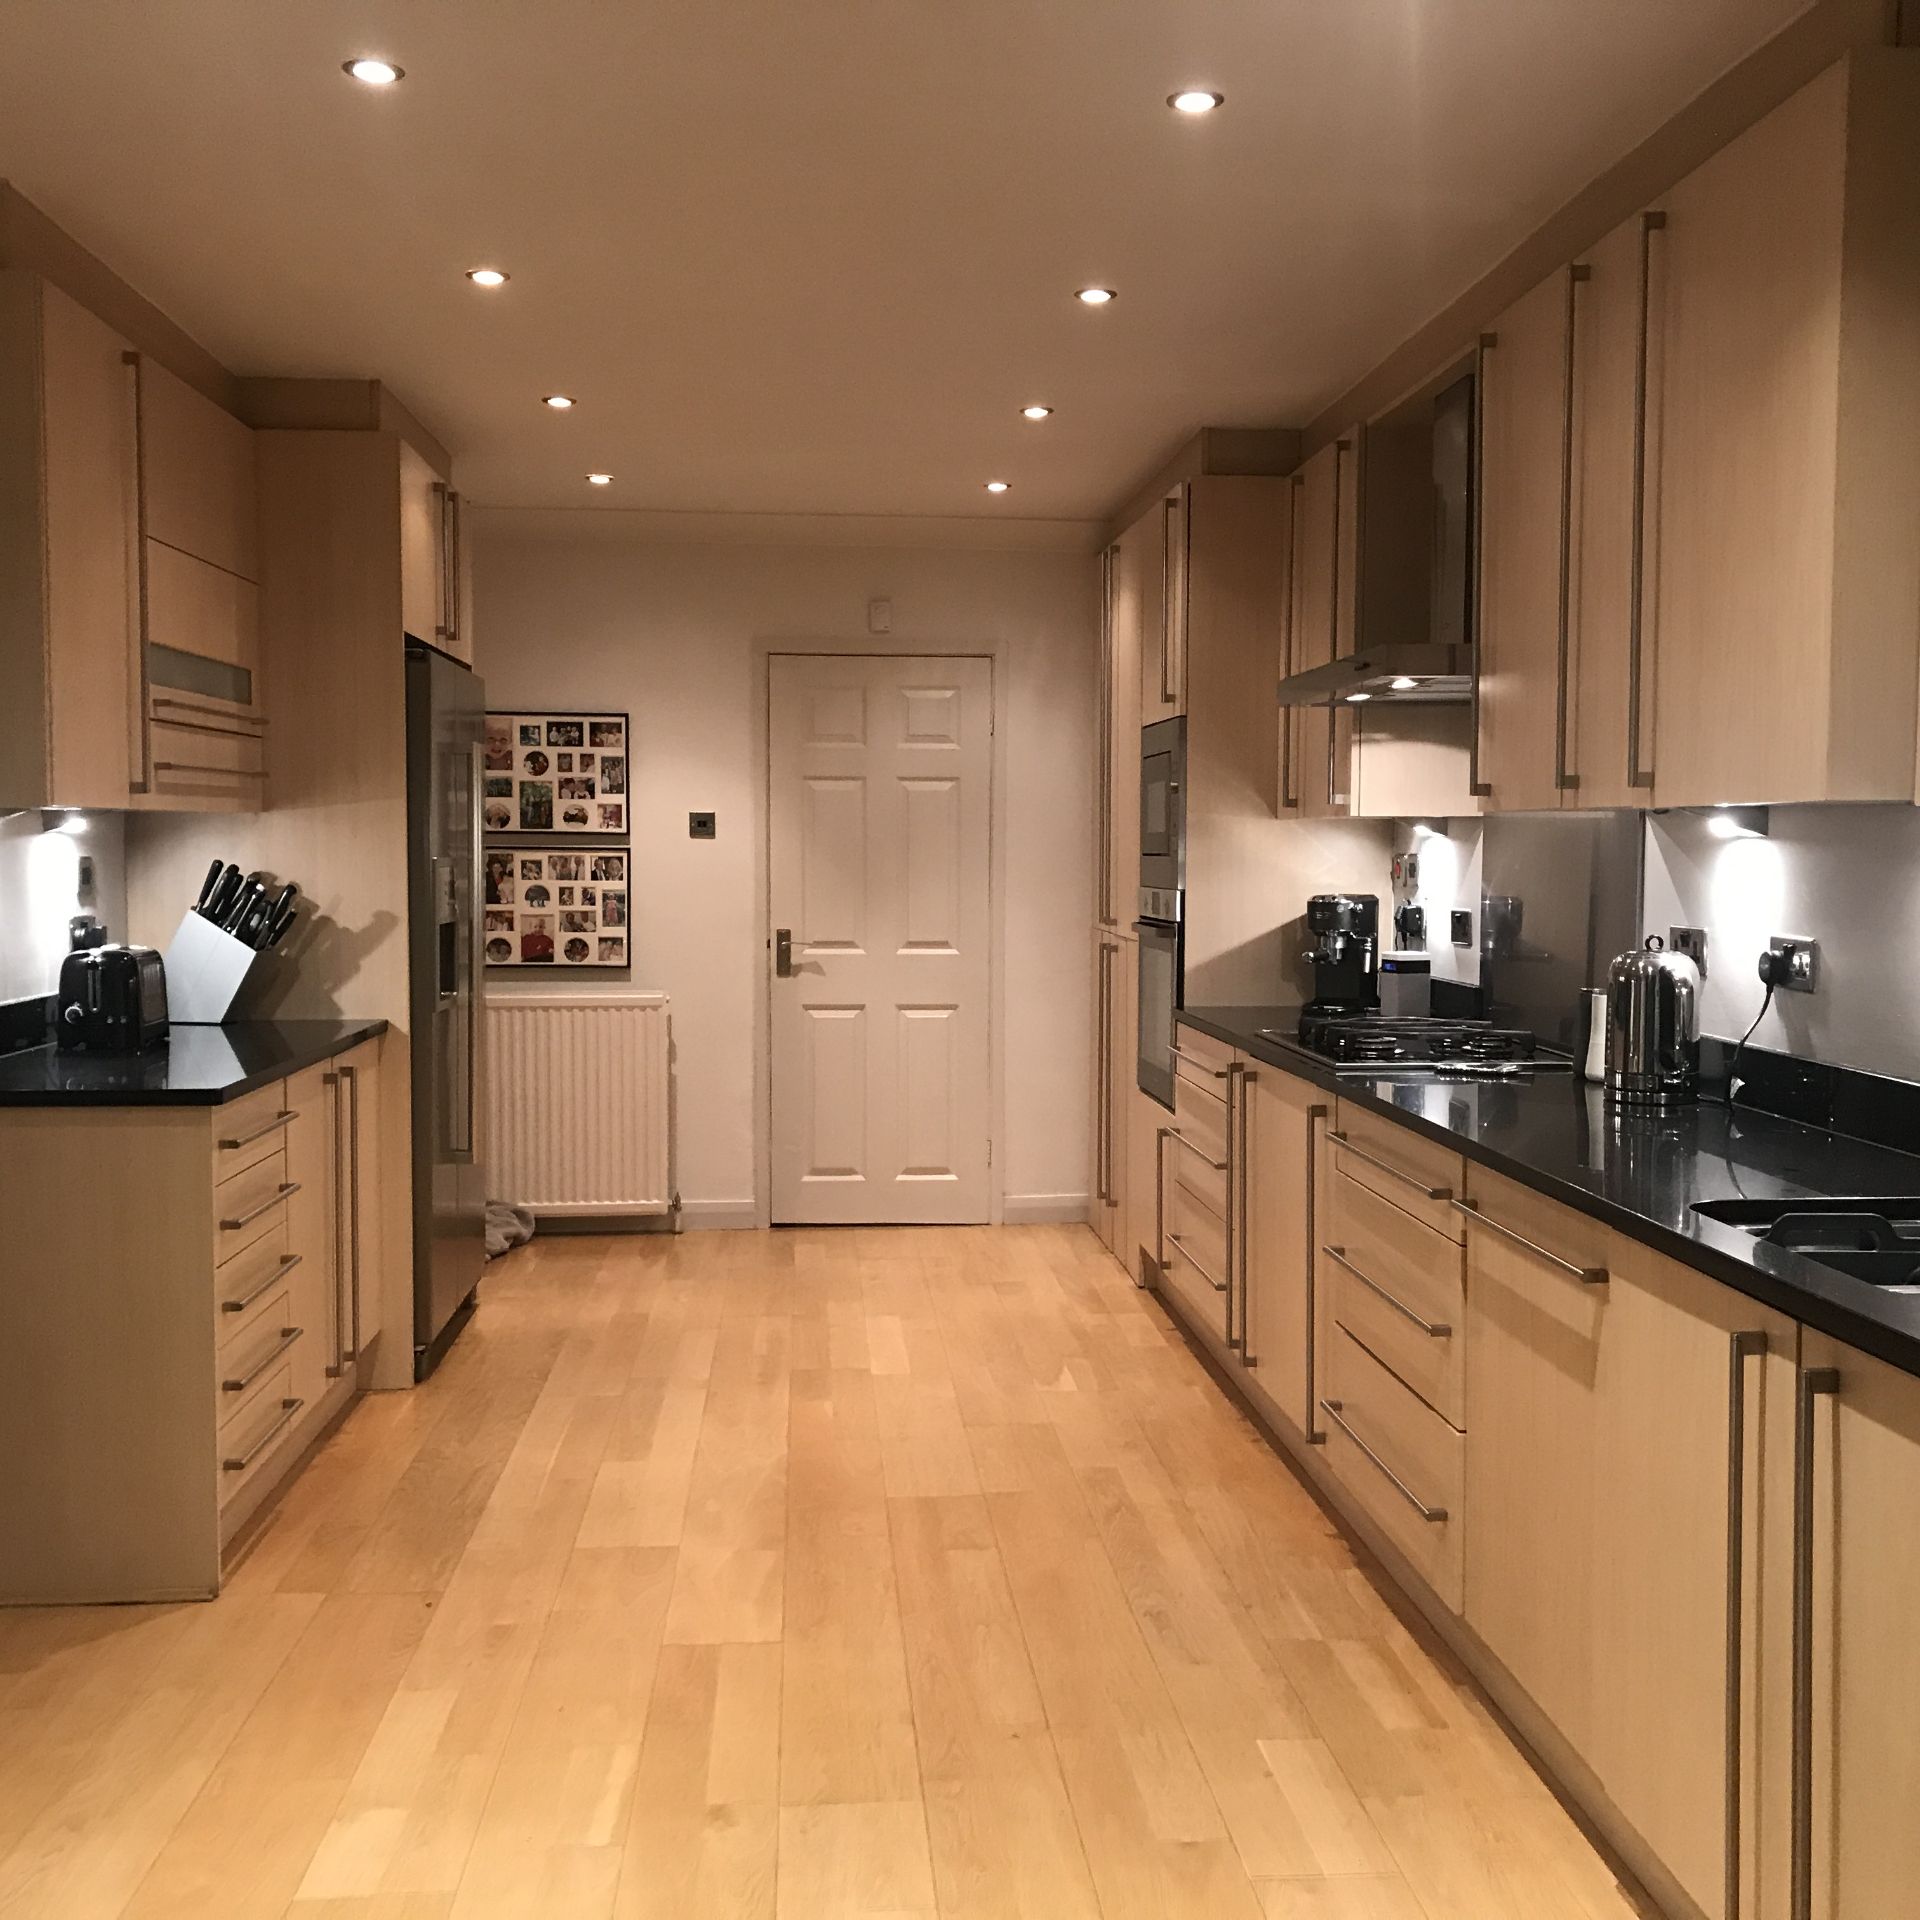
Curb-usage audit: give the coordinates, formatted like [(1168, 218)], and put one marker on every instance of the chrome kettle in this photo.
[(1653, 1026)]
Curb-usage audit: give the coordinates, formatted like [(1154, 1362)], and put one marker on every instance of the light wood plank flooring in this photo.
[(818, 1574)]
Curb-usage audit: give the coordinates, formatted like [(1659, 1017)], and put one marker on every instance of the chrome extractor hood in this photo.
[(1425, 672)]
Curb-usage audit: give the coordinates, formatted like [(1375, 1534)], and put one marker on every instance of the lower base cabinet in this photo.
[(1286, 1129), (1116, 989)]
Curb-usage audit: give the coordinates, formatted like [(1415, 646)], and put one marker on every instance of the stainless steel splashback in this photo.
[(1560, 896)]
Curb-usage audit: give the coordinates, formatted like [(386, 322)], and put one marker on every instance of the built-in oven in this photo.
[(1158, 945), (1163, 860)]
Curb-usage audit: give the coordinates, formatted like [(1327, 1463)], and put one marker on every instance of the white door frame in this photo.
[(887, 646)]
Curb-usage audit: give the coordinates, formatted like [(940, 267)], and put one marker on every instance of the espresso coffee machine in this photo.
[(1345, 952)]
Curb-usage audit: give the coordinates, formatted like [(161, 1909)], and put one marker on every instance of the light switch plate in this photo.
[(1692, 941), (1462, 927), (701, 826)]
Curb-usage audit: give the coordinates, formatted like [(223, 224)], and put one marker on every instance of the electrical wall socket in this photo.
[(1692, 941), (1796, 963)]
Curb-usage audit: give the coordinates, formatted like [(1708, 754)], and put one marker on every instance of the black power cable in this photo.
[(1767, 965)]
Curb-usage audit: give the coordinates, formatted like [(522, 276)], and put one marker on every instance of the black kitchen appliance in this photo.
[(1345, 952), (1163, 859), (111, 1000), (1375, 1046)]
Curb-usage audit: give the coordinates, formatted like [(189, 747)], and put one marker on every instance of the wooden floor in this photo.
[(809, 1574)]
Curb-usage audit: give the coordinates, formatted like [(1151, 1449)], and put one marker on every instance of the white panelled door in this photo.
[(878, 794)]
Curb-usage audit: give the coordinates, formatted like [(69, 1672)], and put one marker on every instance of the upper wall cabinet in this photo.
[(1163, 652), (1782, 602), (1123, 572), (433, 565), (69, 553), (202, 745), (1317, 748)]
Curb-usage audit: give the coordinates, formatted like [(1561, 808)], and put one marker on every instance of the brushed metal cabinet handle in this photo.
[(1587, 1276), (1193, 1059), (1185, 1252), (240, 1462), (284, 1118), (1334, 1410), (1433, 1329), (1316, 1435), (241, 1302), (1289, 798), (1639, 774), (1233, 1186), (1169, 507), (350, 1079), (1816, 1384), (1565, 780), (1741, 1347), (1420, 1187), (1180, 1139), (285, 1190), (289, 1336), (1479, 788), (142, 678), (200, 766)]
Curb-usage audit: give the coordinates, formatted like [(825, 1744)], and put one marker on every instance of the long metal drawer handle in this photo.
[(1406, 1179), (1587, 1276), (195, 766), (203, 726), (289, 1336), (1639, 774), (286, 1189), (1433, 1329), (259, 1287), (1174, 1240), (231, 713), (1174, 1134), (1332, 1409), (1480, 789), (240, 1462), (1564, 778), (1741, 1348), (1815, 1383), (1217, 1073), (284, 1118), (1289, 797)]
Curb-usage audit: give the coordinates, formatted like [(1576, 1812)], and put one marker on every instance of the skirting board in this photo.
[(1045, 1209), (702, 1216)]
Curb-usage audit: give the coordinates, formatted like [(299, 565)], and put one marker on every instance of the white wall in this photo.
[(1448, 855), (40, 893), (574, 610), (1844, 876)]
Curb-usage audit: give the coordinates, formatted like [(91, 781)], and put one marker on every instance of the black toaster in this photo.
[(112, 1000)]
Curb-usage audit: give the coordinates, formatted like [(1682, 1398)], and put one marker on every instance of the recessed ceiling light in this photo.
[(1195, 100), (374, 73), (488, 276), (599, 479), (559, 402), (1096, 296), (1035, 413), (999, 486)]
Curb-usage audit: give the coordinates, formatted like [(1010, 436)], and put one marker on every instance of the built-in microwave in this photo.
[(1163, 850)]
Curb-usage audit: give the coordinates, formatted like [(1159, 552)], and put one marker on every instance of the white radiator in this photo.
[(579, 1107)]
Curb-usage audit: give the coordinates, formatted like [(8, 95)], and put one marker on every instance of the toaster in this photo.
[(112, 1000)]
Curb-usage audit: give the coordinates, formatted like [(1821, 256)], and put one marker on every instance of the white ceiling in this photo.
[(813, 255)]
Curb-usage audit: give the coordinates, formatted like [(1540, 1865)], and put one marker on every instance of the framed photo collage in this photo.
[(555, 795)]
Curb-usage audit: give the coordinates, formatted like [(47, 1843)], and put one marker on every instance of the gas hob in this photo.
[(1370, 1045)]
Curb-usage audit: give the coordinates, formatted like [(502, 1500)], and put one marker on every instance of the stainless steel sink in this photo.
[(1872, 1240)]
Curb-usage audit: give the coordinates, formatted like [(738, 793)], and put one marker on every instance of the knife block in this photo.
[(206, 968)]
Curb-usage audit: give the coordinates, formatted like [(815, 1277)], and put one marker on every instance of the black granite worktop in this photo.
[(1641, 1172), (197, 1067)]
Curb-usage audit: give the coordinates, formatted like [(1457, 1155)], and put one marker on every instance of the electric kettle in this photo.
[(1653, 1027)]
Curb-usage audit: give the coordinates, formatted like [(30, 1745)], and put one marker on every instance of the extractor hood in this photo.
[(1420, 672)]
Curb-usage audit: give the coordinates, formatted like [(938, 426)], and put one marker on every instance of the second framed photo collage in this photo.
[(555, 800)]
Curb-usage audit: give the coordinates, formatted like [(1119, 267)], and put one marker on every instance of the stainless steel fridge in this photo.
[(446, 726)]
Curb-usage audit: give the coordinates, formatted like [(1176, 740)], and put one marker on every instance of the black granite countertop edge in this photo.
[(1886, 1325), (197, 1067)]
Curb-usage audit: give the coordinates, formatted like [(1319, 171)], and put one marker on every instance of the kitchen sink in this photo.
[(1877, 1240)]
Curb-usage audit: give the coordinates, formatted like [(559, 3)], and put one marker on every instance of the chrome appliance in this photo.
[(1653, 1026), (1163, 864)]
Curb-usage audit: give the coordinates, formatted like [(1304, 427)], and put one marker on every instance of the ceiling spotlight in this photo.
[(1096, 296), (999, 486), (1195, 100), (374, 73), (1403, 683), (599, 479), (559, 402), (487, 276), (1035, 413)]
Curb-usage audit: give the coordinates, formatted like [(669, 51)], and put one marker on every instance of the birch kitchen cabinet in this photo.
[(1321, 626), (1284, 1149), (69, 553), (435, 573), (1160, 537), (1123, 590), (1783, 428)]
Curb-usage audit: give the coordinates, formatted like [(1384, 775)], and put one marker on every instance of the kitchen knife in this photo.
[(225, 891), (253, 918), (279, 916), (244, 902), (277, 928), (208, 884)]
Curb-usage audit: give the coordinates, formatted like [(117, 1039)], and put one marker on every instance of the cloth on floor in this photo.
[(507, 1227)]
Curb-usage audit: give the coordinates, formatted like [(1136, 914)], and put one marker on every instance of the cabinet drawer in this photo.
[(1419, 1176), (1553, 1258), (1204, 1055), (1196, 1154), (258, 1432), (263, 1346), (256, 1115), (250, 1206), (1200, 1111), (1403, 1464), (209, 763), (1401, 1288), (248, 1280), (1197, 1235)]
